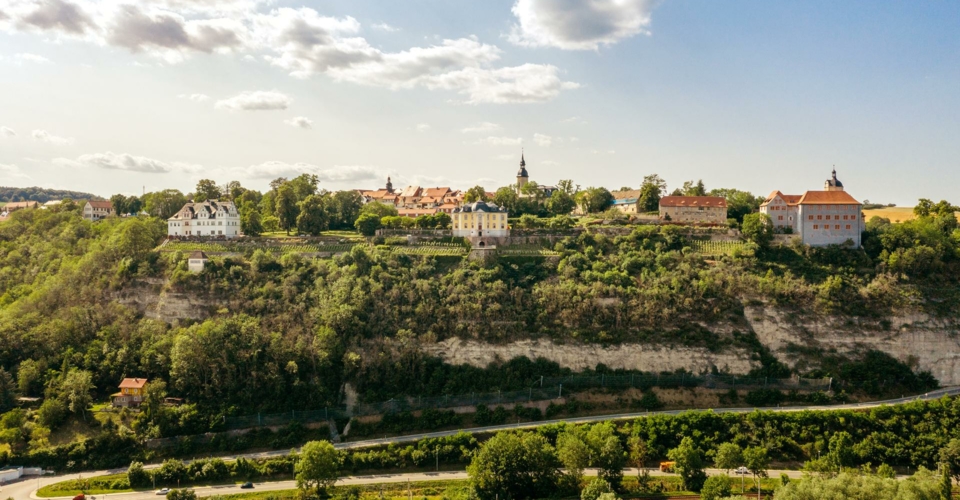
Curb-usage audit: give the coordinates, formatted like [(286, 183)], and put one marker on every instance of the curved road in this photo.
[(26, 488)]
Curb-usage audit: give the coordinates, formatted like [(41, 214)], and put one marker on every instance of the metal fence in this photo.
[(544, 389)]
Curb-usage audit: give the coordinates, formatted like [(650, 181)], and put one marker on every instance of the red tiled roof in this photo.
[(693, 201), (827, 198), (789, 199), (415, 212), (101, 204), (437, 192), (133, 383)]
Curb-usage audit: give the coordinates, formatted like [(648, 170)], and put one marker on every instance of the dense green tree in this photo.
[(595, 489), (379, 209), (507, 198), (8, 390), (368, 224), (560, 203), (119, 203), (758, 228), (950, 458), (344, 209), (286, 207), (739, 203), (76, 388), (476, 193), (313, 218), (921, 486), (318, 467), (181, 494), (715, 488), (573, 453), (651, 191), (250, 221), (163, 204), (514, 466), (756, 460), (594, 200), (207, 189), (729, 456), (688, 463), (303, 185)]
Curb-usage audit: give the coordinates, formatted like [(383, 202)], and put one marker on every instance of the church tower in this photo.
[(522, 176), (389, 186), (833, 184)]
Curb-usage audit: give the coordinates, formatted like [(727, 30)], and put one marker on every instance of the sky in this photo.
[(121, 96)]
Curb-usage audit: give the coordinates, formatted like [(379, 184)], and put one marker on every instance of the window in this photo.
[(844, 217), (853, 217), (811, 217), (780, 217), (819, 217), (848, 227), (837, 226)]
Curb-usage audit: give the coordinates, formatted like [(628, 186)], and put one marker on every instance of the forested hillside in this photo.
[(286, 332), (41, 195)]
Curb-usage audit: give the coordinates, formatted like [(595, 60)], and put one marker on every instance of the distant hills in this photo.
[(42, 195)]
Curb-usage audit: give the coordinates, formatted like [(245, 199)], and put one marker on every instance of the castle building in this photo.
[(820, 218), (480, 219), (206, 218)]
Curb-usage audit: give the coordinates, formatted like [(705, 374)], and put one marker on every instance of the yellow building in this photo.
[(131, 392), (479, 219)]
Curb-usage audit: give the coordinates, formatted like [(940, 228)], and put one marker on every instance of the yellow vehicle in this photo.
[(667, 466)]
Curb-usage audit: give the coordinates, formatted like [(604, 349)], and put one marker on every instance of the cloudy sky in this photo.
[(113, 96)]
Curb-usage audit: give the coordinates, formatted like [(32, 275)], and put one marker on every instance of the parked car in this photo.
[(163, 491), (742, 470), (246, 486)]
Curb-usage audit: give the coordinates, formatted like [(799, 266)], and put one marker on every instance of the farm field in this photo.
[(895, 214)]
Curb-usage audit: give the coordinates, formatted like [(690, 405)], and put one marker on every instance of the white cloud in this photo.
[(44, 136), (255, 101), (573, 139), (12, 171), (499, 141), (482, 127), (33, 58), (55, 15), (7, 132), (340, 174), (384, 27), (572, 119), (308, 44), (195, 97), (301, 41), (423, 127), (578, 24), (543, 140), (300, 122), (127, 162)]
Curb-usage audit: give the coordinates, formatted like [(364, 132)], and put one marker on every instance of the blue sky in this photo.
[(111, 96)]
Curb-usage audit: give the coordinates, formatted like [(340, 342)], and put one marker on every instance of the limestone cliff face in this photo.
[(916, 339), (154, 299), (650, 358)]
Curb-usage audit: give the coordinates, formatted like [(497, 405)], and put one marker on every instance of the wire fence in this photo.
[(544, 389)]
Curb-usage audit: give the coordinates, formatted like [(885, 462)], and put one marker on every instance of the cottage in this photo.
[(694, 209), (97, 210), (131, 392), (12, 207), (196, 261), (627, 202)]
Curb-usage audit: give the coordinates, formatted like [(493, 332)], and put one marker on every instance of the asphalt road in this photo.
[(26, 488), (208, 491)]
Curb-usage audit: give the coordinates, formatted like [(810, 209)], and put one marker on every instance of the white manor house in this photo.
[(206, 218)]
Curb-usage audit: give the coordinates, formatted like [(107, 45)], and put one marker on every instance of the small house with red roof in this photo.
[(96, 210), (131, 393)]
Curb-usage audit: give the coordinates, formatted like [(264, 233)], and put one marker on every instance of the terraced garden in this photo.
[(273, 246), (527, 251), (716, 248)]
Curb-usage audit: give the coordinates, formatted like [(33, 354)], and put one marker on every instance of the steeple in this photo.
[(522, 175), (389, 185), (832, 184)]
